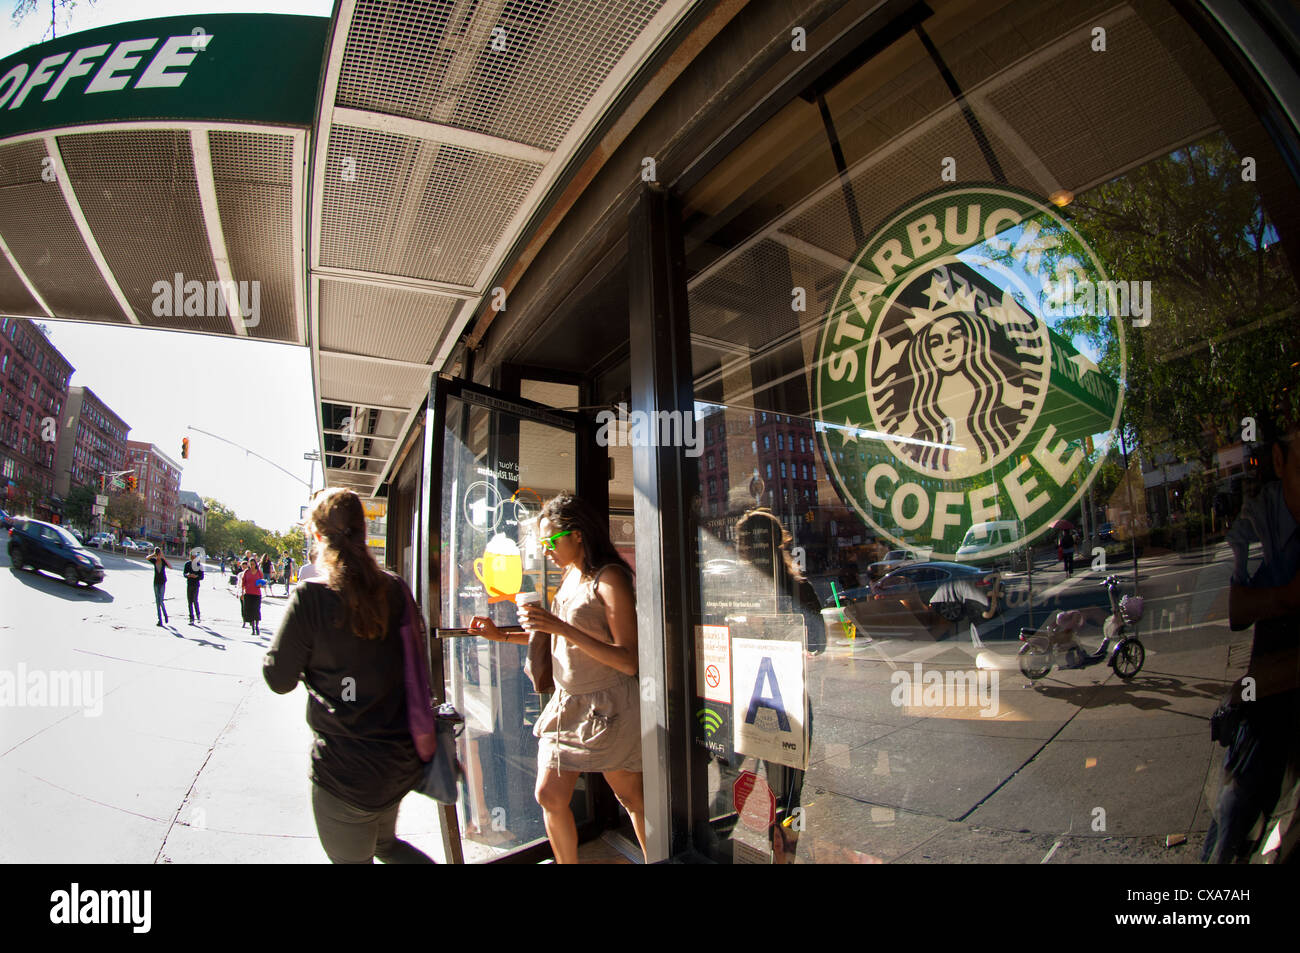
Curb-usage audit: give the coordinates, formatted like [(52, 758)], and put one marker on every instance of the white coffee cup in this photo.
[(528, 599)]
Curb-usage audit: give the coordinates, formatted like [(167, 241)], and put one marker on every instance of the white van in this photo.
[(982, 537)]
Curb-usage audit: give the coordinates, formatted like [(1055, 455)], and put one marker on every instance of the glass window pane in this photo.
[(1013, 351)]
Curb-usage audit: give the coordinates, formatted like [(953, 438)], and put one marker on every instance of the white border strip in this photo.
[(207, 187), (440, 133)]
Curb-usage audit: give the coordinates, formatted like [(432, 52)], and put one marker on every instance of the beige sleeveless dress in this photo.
[(593, 721)]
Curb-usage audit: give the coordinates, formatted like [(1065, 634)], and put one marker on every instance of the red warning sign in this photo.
[(754, 801)]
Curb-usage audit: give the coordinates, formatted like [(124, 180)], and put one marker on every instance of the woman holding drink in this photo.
[(593, 720)]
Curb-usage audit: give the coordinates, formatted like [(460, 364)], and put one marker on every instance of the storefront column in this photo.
[(666, 483)]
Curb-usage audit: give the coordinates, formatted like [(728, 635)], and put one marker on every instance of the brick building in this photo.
[(192, 509), (33, 391), (92, 441), (160, 484)]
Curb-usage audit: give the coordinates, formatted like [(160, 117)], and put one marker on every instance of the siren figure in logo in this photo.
[(948, 393)]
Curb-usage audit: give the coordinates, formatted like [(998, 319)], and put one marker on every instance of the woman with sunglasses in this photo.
[(593, 720)]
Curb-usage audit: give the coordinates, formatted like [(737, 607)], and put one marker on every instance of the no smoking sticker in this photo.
[(713, 662)]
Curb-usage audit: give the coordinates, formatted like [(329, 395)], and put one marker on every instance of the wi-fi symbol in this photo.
[(710, 720)]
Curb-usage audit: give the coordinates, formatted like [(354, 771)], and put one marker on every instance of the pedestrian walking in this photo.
[(160, 565), (341, 635), (193, 573), (250, 583), (286, 569), (593, 720), (1066, 547), (308, 569)]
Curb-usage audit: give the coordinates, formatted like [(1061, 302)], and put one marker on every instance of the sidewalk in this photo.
[(193, 759)]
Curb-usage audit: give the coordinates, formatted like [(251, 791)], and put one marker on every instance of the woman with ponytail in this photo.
[(340, 635)]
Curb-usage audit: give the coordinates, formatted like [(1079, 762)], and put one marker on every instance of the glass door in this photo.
[(495, 459)]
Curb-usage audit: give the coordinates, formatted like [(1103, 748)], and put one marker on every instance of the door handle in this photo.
[(460, 633)]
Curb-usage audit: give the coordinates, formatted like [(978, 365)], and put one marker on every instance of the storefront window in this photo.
[(1037, 337)]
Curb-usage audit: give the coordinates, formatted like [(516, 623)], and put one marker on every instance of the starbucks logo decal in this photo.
[(944, 400)]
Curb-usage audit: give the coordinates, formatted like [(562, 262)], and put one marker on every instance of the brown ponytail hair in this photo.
[(348, 566)]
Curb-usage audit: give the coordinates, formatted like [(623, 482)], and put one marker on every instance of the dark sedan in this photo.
[(46, 546), (920, 596)]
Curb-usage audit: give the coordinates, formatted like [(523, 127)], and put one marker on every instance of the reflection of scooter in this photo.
[(1123, 652)]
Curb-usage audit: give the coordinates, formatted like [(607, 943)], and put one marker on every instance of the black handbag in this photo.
[(1227, 717), (442, 772)]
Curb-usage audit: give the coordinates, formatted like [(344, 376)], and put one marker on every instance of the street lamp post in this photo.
[(313, 456)]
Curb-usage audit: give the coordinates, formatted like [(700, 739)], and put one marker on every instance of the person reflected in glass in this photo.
[(593, 720), (341, 636), (765, 545), (1263, 752)]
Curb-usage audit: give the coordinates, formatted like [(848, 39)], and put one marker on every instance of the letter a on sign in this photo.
[(760, 700), (773, 724)]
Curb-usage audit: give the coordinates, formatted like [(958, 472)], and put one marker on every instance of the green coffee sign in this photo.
[(943, 399), (256, 68)]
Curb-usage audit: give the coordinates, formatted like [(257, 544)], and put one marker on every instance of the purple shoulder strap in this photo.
[(419, 706)]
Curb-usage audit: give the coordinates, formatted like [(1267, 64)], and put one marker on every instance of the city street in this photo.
[(185, 757), (1080, 765)]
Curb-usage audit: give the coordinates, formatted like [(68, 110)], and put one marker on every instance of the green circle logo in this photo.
[(951, 415)]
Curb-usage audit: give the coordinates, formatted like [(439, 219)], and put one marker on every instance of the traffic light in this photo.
[(131, 483), (185, 448), (103, 483)]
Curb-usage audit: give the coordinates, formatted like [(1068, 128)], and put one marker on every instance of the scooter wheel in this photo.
[(1035, 661), (1128, 658)]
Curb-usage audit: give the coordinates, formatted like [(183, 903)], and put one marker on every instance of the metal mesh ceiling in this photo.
[(45, 241), (253, 176), (416, 209), (522, 70), (140, 198), (383, 322), (348, 379)]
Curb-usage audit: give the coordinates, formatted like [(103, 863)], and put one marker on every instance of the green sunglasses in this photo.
[(548, 542)]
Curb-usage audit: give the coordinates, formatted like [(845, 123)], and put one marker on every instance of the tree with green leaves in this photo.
[(127, 511), (1223, 311), (77, 504)]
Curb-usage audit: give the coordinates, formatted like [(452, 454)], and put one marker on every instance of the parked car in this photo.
[(893, 559), (919, 596), (5, 519), (46, 546), (1106, 533), (100, 540)]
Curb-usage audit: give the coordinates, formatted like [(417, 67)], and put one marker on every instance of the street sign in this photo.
[(101, 499), (97, 510), (754, 801)]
